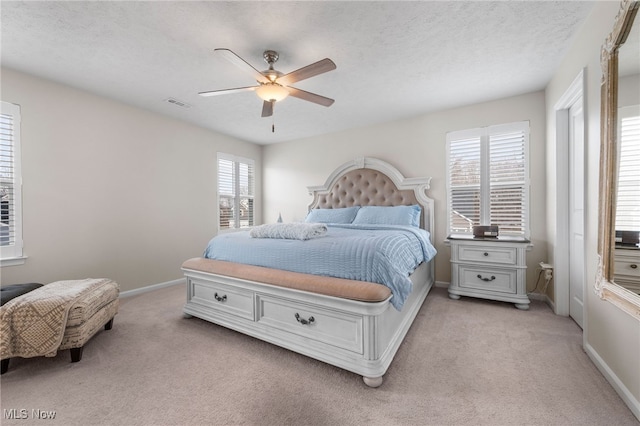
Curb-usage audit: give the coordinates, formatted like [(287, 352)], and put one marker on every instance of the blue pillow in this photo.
[(391, 215), (343, 215)]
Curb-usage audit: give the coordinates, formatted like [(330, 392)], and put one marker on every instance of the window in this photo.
[(628, 203), (488, 179), (236, 185), (10, 183)]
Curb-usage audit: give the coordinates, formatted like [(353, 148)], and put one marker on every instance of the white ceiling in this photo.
[(394, 59)]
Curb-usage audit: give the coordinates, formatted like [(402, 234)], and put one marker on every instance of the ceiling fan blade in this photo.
[(242, 64), (227, 91), (303, 73), (311, 97), (267, 108)]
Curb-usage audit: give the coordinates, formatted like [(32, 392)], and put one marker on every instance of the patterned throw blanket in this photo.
[(289, 231), (33, 324)]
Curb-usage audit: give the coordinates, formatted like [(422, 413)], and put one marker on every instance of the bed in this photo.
[(352, 323)]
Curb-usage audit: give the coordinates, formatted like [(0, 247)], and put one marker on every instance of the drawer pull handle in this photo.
[(304, 321), (633, 266), (486, 279), (486, 254), (222, 298)]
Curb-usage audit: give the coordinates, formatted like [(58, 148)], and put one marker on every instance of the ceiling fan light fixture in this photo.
[(271, 92)]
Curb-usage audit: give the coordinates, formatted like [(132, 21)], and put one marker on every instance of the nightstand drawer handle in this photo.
[(486, 254), (222, 298), (633, 266), (486, 279), (304, 321)]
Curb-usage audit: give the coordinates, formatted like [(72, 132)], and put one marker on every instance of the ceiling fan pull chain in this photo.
[(273, 124)]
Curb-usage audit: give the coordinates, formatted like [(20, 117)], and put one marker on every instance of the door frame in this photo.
[(575, 93)]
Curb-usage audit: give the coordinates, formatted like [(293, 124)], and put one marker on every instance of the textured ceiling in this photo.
[(394, 59)]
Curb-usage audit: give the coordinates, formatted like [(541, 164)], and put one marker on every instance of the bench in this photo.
[(79, 308)]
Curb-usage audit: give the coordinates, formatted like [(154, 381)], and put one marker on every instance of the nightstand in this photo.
[(489, 268), (626, 270)]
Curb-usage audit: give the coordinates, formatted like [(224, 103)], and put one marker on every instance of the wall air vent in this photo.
[(177, 103)]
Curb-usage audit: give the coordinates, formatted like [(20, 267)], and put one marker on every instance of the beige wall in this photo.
[(110, 190), (417, 148), (612, 338)]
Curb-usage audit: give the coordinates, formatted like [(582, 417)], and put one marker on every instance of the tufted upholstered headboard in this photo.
[(371, 182)]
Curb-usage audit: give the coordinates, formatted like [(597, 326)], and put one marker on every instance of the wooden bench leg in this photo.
[(76, 354), (109, 325), (5, 366)]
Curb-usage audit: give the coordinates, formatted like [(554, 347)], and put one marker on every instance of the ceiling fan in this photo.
[(274, 86)]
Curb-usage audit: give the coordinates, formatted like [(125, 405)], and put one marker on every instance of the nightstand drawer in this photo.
[(626, 267), (502, 280), (503, 255)]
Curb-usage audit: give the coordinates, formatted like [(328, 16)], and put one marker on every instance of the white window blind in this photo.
[(488, 179), (10, 182), (628, 202), (464, 184), (236, 187)]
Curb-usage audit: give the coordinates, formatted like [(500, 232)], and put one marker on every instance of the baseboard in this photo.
[(538, 296), (544, 298), (616, 383), (442, 284), (152, 287)]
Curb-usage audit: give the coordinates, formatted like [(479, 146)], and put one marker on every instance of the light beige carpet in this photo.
[(465, 362)]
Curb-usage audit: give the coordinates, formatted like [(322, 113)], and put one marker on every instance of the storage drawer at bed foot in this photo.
[(473, 253), (223, 298), (488, 279), (338, 329)]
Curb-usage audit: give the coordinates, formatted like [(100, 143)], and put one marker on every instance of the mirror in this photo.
[(619, 75), (627, 221)]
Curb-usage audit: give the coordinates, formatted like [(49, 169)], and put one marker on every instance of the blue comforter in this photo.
[(376, 253)]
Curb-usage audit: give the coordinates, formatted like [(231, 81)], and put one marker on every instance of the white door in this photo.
[(576, 212)]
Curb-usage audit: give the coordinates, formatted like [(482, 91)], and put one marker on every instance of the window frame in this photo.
[(237, 197), (13, 254), (484, 134)]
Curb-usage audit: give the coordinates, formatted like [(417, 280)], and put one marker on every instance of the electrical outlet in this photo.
[(545, 266)]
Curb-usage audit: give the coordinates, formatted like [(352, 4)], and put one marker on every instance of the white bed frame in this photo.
[(360, 337)]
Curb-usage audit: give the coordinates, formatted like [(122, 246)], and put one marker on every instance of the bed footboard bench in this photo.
[(328, 286), (346, 323)]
